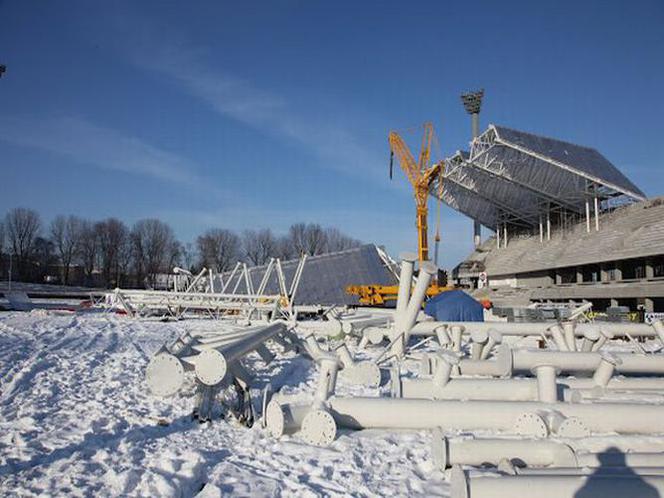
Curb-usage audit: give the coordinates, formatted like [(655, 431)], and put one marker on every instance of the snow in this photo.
[(76, 419)]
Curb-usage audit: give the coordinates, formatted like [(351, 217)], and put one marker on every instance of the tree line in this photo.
[(77, 251)]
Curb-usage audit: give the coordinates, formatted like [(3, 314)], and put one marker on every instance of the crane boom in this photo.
[(420, 176)]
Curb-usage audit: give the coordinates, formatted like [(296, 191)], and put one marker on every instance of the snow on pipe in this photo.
[(508, 416), (465, 485)]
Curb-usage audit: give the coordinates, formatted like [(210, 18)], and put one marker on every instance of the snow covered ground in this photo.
[(76, 419)]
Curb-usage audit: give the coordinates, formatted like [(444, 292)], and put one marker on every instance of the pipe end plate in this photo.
[(573, 427), (164, 374), (319, 428), (531, 424), (274, 418), (211, 367)]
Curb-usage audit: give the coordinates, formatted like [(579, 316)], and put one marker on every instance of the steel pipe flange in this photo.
[(319, 428), (211, 367), (531, 424), (573, 427), (164, 374)]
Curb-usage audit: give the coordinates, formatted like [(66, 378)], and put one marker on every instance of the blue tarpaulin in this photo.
[(454, 306)]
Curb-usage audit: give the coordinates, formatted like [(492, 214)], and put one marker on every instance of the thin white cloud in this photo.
[(173, 56), (89, 144)]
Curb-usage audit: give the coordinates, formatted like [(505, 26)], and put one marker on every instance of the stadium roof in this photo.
[(510, 176)]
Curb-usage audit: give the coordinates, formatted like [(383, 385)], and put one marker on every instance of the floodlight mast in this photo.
[(472, 101)]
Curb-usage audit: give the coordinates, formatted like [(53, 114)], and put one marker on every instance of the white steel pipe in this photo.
[(478, 452), (522, 389), (541, 328), (526, 359), (558, 335), (495, 338), (547, 389), (427, 271), (211, 365), (365, 413), (405, 283), (570, 338), (357, 325), (605, 369)]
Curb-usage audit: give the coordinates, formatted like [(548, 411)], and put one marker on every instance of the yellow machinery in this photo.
[(421, 176), (378, 295)]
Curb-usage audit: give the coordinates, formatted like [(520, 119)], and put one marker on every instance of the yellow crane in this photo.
[(421, 176)]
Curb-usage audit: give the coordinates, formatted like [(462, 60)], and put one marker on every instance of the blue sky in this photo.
[(255, 114)]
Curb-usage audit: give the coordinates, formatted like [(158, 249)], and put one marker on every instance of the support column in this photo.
[(579, 275), (541, 229), (649, 305), (603, 274), (596, 214), (477, 233), (618, 271), (650, 269), (505, 235), (587, 216), (548, 225), (498, 236)]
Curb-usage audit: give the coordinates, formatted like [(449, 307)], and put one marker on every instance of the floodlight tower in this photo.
[(472, 101)]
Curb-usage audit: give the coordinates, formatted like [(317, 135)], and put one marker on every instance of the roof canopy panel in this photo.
[(586, 161), (514, 177)]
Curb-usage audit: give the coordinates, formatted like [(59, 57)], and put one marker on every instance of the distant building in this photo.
[(621, 264)]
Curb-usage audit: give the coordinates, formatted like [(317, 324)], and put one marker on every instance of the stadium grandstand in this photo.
[(568, 224)]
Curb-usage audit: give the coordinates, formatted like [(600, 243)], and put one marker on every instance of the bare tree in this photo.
[(154, 248), (218, 249), (66, 238), (44, 256), (22, 226), (298, 238), (285, 249), (316, 240), (189, 257), (259, 245), (88, 249), (113, 236), (338, 241)]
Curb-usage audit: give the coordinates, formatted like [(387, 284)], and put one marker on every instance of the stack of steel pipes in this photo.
[(216, 361)]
